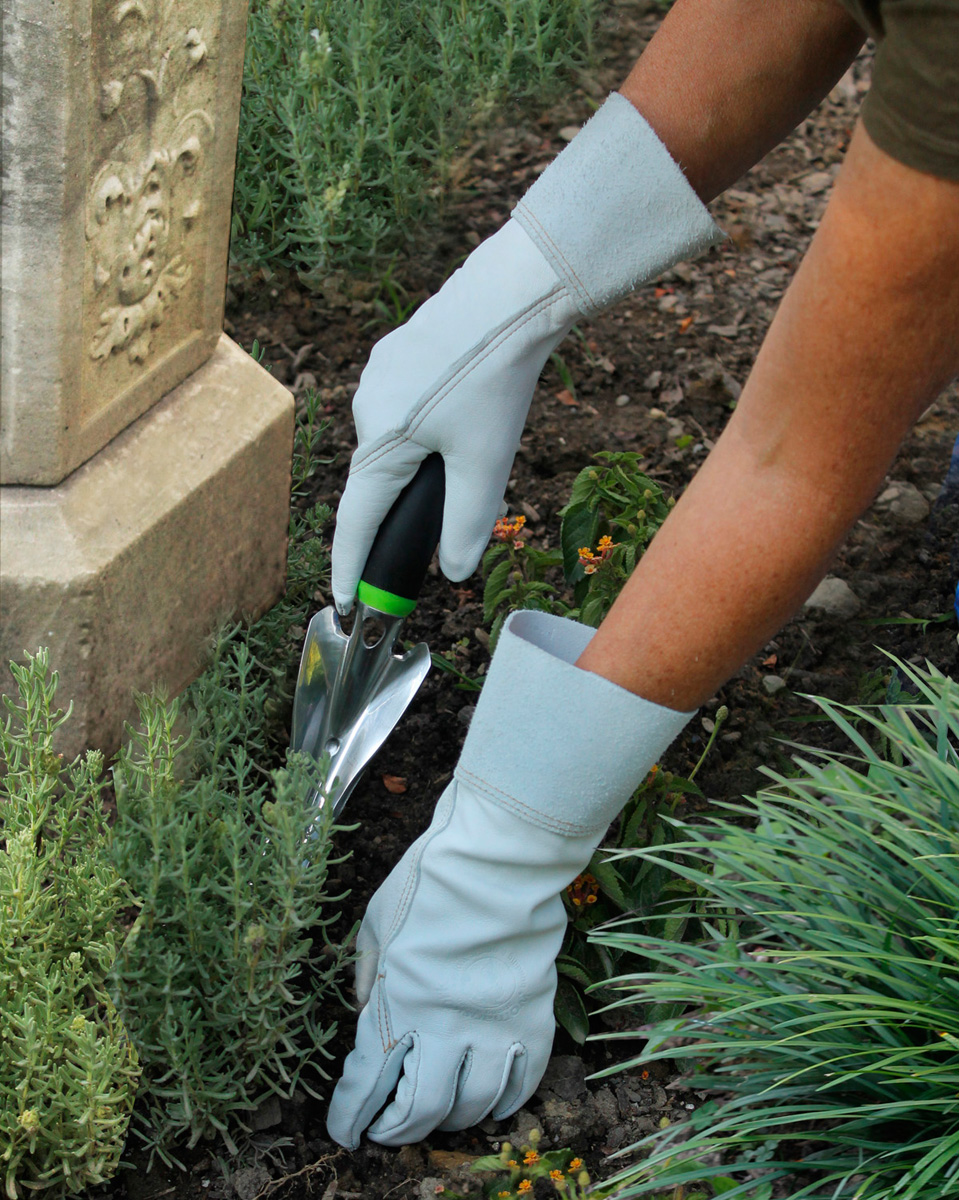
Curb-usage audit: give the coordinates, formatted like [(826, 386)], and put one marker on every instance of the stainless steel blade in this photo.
[(349, 696)]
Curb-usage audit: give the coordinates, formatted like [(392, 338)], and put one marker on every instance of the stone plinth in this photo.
[(119, 137), (122, 569)]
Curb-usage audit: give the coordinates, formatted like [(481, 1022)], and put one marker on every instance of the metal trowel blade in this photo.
[(349, 696)]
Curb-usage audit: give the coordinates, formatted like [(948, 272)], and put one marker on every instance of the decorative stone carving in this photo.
[(165, 449), (119, 138)]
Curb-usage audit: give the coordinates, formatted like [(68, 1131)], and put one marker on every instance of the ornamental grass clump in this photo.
[(68, 1073), (825, 1017)]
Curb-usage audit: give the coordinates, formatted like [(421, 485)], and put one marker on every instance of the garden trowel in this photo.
[(353, 688)]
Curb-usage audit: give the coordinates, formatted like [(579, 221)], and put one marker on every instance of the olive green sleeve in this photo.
[(912, 108)]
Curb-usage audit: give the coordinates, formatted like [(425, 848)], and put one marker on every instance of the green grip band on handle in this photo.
[(383, 601)]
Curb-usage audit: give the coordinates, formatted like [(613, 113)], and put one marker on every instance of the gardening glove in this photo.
[(457, 950), (611, 212)]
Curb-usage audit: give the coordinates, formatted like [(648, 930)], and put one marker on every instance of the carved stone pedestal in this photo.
[(144, 458), (124, 568)]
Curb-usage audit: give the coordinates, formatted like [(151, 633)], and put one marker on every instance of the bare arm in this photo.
[(865, 338), (724, 81)]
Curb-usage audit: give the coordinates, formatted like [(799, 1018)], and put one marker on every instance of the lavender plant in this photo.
[(68, 1072), (218, 981), (352, 114), (227, 963)]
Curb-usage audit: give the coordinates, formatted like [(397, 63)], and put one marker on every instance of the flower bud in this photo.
[(255, 936)]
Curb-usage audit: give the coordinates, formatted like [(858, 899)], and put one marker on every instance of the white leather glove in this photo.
[(457, 948), (612, 211)]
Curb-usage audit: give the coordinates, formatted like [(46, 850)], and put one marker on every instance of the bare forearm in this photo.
[(723, 81), (865, 338)]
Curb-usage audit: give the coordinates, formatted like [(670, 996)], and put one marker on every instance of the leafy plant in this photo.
[(613, 507), (826, 1015), (518, 575), (352, 114), (617, 509), (68, 1073), (514, 1173)]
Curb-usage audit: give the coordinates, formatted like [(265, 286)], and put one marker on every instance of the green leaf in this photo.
[(570, 1011), (579, 527), (494, 589), (609, 879), (573, 970)]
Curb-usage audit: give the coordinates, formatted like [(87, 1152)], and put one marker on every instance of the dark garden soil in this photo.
[(667, 364)]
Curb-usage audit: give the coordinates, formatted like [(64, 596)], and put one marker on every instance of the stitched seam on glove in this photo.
[(440, 822), (430, 401), (383, 1015), (577, 284), (532, 815)]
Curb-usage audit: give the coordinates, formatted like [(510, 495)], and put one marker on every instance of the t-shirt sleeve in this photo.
[(912, 108)]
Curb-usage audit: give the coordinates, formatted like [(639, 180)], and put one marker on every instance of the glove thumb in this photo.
[(367, 962)]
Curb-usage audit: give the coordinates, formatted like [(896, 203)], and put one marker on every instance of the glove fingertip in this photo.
[(458, 562)]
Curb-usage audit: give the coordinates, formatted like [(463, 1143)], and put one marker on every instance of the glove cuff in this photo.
[(614, 210), (560, 747)]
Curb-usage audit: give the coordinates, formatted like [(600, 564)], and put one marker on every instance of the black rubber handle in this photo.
[(405, 542)]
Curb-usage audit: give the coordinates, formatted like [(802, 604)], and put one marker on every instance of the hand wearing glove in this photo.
[(456, 970), (611, 212)]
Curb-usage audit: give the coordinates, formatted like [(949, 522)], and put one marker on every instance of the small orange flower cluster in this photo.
[(583, 890), (506, 531), (604, 549)]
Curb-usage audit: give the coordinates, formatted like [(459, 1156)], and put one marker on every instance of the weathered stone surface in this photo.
[(835, 597), (124, 569), (904, 503), (119, 138)]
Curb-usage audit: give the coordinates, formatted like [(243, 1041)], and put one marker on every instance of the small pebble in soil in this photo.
[(773, 684), (835, 598), (904, 503), (622, 401)]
